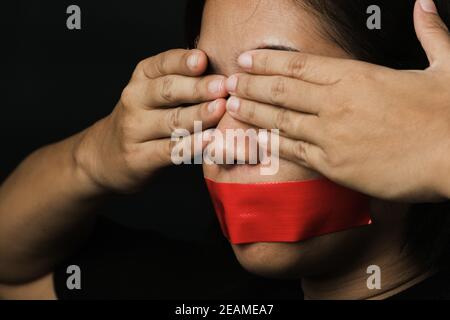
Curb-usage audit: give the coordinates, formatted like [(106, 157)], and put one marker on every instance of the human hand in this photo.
[(123, 151), (381, 131)]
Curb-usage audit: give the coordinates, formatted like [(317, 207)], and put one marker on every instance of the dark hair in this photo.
[(395, 45)]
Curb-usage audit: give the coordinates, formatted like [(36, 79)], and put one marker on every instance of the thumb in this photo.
[(431, 31)]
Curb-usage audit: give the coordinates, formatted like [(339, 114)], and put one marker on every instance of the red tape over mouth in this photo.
[(286, 211)]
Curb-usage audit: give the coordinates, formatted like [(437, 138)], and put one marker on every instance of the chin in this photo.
[(319, 255), (281, 260), (272, 260)]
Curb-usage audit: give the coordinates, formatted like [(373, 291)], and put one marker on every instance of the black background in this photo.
[(56, 82)]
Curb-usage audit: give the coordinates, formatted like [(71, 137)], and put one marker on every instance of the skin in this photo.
[(63, 182), (120, 143), (331, 266), (336, 115)]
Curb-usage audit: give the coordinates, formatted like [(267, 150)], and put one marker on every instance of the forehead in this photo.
[(230, 27)]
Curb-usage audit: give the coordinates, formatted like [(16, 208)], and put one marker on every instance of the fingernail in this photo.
[(212, 107), (245, 61), (192, 61), (231, 83), (428, 6), (233, 104), (215, 86)]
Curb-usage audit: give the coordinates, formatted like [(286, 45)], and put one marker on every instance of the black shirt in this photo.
[(123, 263)]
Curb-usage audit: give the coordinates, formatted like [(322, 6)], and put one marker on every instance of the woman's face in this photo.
[(229, 28)]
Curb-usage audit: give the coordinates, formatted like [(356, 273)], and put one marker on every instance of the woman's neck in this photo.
[(384, 251), (396, 275)]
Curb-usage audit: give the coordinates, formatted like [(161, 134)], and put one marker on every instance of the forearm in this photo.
[(47, 200), (45, 207)]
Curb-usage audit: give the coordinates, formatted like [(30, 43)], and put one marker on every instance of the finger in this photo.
[(431, 31), (177, 61), (306, 67), (278, 90), (291, 124), (305, 154), (158, 124), (170, 151), (173, 90)]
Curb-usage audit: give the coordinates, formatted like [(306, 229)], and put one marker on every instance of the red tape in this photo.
[(286, 211)]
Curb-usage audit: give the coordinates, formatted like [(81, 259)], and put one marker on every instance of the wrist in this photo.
[(83, 155)]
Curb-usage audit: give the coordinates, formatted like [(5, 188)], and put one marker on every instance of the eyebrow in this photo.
[(214, 68)]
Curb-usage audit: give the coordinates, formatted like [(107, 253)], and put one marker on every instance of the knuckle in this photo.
[(363, 73), (161, 64), (333, 160), (174, 119), (263, 60), (250, 110), (170, 145), (197, 90), (140, 65), (295, 66), (202, 112), (436, 26), (278, 90), (282, 121), (299, 151), (165, 150), (166, 89), (339, 105), (127, 96), (245, 85), (129, 152), (343, 110)]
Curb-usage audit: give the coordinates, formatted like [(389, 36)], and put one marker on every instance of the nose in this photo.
[(235, 143)]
